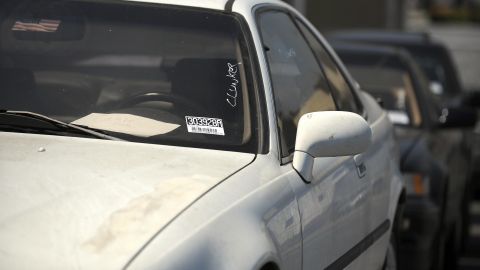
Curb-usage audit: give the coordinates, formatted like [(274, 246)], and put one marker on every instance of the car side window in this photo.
[(299, 85), (341, 89)]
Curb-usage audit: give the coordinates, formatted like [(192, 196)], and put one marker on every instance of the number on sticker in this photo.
[(205, 125)]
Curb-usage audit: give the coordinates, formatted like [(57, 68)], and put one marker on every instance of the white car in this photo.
[(181, 134)]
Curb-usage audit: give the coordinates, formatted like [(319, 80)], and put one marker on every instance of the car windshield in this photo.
[(395, 88), (388, 78), (140, 72), (433, 69), (438, 67)]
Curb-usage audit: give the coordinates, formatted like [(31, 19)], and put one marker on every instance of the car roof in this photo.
[(373, 50), (366, 48), (384, 36), (209, 4)]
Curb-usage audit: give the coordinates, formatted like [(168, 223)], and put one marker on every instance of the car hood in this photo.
[(75, 203)]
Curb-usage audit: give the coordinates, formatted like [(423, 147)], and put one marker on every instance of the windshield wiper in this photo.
[(59, 125)]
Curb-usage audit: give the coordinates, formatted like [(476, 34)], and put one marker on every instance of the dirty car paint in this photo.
[(82, 201)]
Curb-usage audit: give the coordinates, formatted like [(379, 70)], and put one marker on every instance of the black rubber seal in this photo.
[(229, 5), (359, 248)]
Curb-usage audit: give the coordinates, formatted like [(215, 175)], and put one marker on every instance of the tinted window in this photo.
[(438, 66), (341, 89), (147, 73), (298, 82)]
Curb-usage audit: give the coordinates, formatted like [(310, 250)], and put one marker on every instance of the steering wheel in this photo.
[(172, 98)]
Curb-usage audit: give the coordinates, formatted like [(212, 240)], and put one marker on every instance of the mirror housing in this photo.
[(328, 134), (458, 117)]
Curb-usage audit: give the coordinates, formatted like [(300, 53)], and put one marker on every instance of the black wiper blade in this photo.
[(61, 125)]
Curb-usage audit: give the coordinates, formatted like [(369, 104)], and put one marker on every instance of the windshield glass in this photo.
[(438, 67), (141, 72), (433, 69), (388, 78), (395, 88)]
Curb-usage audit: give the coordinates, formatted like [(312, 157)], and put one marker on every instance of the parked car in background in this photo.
[(434, 159), (431, 55), (436, 61), (187, 135)]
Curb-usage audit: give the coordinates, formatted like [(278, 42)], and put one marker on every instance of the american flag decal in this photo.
[(43, 25)]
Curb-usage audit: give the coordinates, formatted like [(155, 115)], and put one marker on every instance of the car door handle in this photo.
[(360, 164)]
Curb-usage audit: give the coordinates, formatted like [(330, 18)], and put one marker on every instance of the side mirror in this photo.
[(328, 134), (461, 117)]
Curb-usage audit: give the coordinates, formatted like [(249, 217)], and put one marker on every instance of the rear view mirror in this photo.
[(461, 117), (329, 134)]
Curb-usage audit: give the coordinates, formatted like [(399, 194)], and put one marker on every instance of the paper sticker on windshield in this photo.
[(204, 125)]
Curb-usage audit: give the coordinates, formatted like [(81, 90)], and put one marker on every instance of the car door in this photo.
[(377, 161), (334, 206)]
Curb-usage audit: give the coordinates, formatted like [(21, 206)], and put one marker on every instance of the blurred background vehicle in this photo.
[(434, 158), (436, 62), (432, 56), (455, 33)]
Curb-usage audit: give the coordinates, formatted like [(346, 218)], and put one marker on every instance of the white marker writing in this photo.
[(232, 91)]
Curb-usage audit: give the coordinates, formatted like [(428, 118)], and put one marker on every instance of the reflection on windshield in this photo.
[(134, 70), (126, 123)]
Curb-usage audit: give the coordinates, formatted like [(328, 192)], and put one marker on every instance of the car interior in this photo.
[(100, 63)]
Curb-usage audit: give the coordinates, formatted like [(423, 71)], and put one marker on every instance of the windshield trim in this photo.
[(258, 106)]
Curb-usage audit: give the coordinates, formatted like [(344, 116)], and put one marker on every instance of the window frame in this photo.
[(348, 79), (258, 11), (259, 111)]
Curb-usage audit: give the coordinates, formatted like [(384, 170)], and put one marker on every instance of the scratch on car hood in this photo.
[(74, 203)]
